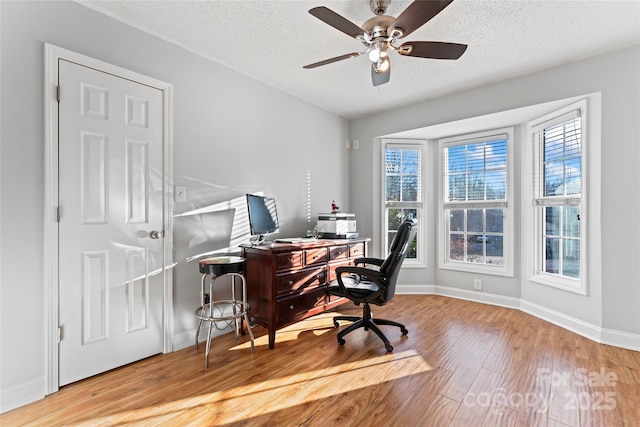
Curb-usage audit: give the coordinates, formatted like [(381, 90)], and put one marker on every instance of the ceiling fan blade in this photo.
[(382, 77), (338, 22), (331, 60), (434, 50), (417, 14)]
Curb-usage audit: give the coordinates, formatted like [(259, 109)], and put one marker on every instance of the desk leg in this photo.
[(272, 338)]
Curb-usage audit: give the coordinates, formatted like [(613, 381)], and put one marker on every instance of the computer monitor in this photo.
[(263, 215)]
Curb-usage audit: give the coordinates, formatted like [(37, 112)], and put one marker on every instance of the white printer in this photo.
[(336, 226)]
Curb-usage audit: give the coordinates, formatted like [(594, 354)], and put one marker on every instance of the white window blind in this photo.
[(558, 160)]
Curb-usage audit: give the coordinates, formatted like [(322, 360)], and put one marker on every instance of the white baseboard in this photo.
[(593, 332), (620, 339), (580, 327), (21, 395), (465, 294), (186, 339), (596, 333)]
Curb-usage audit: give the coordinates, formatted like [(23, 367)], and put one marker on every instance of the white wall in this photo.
[(616, 76), (231, 135)]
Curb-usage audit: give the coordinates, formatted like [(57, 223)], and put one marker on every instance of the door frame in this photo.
[(51, 236)]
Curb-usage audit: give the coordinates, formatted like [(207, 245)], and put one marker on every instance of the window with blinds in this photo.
[(403, 177), (476, 180), (558, 183)]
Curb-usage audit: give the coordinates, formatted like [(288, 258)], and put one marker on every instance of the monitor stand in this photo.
[(257, 240)]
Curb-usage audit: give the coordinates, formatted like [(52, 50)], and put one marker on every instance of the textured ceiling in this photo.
[(270, 41)]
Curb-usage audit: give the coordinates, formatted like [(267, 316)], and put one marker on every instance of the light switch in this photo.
[(180, 193)]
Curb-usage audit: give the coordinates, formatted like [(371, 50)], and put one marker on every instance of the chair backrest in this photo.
[(390, 268)]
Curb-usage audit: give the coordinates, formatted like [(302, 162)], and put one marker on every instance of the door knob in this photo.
[(156, 234)]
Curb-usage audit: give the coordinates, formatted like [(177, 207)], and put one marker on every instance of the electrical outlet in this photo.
[(356, 144), (477, 284)]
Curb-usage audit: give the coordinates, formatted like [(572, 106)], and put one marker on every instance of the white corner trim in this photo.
[(595, 333)]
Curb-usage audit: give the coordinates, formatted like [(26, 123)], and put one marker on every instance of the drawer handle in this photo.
[(290, 260), (291, 307), (291, 282)]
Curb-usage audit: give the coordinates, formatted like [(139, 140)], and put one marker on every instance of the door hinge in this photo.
[(57, 214), (58, 93), (59, 334)]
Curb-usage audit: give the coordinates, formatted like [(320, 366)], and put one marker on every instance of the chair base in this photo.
[(367, 322)]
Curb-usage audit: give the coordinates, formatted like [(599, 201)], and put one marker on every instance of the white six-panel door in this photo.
[(111, 202)]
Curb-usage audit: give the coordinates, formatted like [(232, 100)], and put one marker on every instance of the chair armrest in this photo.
[(370, 274), (366, 260), (360, 271)]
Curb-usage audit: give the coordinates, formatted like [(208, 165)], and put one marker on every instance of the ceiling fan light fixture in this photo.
[(374, 55), (378, 51), (382, 64)]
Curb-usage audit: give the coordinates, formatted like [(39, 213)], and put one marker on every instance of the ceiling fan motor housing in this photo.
[(378, 25)]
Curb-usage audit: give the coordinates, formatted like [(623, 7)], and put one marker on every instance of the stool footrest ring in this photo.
[(237, 307)]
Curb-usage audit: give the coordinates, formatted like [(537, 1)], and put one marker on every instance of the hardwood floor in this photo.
[(462, 364)]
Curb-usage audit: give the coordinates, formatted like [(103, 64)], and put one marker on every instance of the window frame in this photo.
[(534, 128), (508, 204), (420, 206)]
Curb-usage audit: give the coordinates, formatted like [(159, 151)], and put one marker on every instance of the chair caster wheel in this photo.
[(341, 341), (336, 324), (389, 348), (405, 331)]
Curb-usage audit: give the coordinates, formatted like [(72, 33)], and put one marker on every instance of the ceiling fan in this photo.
[(381, 33)]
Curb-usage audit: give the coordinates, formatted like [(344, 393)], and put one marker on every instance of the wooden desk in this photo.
[(286, 282)]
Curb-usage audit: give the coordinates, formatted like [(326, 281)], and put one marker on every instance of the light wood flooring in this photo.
[(462, 364)]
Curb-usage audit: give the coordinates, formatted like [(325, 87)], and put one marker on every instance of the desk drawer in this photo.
[(315, 256), (300, 280), (332, 269), (299, 305), (356, 250), (338, 253), (289, 260)]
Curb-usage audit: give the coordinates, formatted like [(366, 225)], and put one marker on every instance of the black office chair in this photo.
[(377, 286)]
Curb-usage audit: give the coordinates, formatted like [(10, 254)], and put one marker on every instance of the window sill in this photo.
[(576, 286), (480, 269), (413, 263)]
